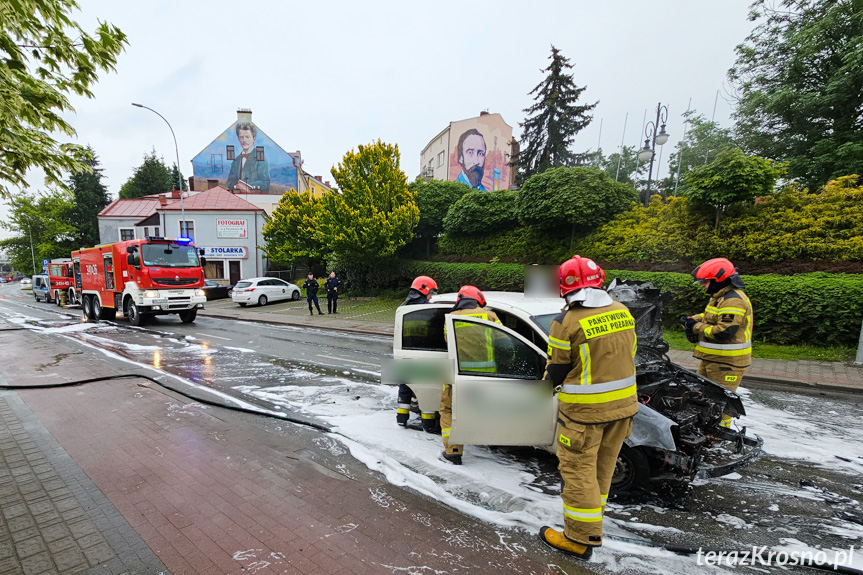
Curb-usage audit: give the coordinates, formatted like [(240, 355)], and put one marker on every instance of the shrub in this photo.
[(477, 213), (521, 245)]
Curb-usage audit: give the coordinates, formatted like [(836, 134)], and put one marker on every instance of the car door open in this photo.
[(499, 396)]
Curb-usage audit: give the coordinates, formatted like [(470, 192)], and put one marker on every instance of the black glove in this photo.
[(688, 324)]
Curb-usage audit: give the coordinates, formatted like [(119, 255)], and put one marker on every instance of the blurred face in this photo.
[(332, 274), (246, 139), (705, 284)]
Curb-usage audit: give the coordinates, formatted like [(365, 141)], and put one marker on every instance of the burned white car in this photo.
[(676, 432)]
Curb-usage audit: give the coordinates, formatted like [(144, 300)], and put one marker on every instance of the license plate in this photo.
[(163, 300)]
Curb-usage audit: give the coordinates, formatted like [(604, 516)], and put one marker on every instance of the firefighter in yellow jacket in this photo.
[(476, 355), (591, 363), (724, 331)]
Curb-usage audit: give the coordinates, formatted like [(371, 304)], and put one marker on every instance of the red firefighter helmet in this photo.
[(424, 285), (719, 269), (578, 272), (473, 293)]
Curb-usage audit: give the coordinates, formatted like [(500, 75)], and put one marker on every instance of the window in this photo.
[(423, 330), (214, 270), (259, 153), (431, 164), (229, 152), (187, 229), (440, 159), (156, 231), (127, 234), (488, 351)]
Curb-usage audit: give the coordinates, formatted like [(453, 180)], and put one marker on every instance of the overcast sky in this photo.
[(322, 77)]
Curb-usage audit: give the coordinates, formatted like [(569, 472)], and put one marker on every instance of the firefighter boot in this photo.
[(431, 422), (454, 458), (557, 540)]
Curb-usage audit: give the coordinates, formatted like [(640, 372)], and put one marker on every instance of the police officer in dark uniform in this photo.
[(333, 284), (311, 287)]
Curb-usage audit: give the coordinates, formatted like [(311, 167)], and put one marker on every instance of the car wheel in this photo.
[(188, 316), (295, 295), (134, 315), (632, 470), (262, 301), (36, 297)]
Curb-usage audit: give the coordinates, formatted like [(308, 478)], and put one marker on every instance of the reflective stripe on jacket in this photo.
[(475, 343), (725, 329), (592, 358)]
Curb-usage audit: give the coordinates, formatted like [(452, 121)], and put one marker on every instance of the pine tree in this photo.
[(151, 177), (91, 196), (552, 121)]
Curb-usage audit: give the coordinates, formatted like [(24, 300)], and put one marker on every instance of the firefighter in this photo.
[(476, 354), (591, 363), (724, 330), (422, 288)]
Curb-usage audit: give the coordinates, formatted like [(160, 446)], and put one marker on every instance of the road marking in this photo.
[(350, 360), (215, 336)]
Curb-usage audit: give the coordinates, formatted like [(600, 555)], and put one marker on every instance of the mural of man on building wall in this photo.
[(471, 158), (250, 170)]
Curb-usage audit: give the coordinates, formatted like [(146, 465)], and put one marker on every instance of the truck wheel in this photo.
[(70, 298), (87, 307), (632, 471), (262, 301), (134, 316), (57, 299), (97, 307), (188, 316)]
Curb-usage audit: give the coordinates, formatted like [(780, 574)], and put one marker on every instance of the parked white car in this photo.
[(261, 291), (675, 433)]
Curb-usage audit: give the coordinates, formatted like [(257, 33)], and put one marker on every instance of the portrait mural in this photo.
[(480, 155), (244, 159)]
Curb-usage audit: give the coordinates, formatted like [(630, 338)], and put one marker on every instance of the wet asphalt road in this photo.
[(781, 499)]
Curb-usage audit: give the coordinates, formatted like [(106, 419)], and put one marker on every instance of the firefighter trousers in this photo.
[(725, 375), (446, 420), (587, 456)]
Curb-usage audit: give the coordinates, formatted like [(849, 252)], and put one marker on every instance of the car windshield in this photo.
[(241, 285), (169, 256), (544, 321)]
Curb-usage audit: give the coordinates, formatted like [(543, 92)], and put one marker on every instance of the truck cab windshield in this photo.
[(169, 256)]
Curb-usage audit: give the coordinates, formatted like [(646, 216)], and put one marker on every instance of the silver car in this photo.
[(675, 433)]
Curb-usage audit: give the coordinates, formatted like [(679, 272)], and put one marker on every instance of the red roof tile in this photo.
[(137, 208), (216, 199)]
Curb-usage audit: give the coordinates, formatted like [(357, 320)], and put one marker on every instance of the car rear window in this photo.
[(241, 285), (423, 329)]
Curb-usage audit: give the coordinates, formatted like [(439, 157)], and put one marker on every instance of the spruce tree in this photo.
[(552, 121), (91, 196)]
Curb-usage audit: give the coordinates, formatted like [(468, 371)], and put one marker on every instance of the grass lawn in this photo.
[(677, 340)]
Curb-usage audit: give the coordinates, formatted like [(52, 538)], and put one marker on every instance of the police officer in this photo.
[(311, 287), (333, 284), (591, 349), (476, 354), (724, 331), (422, 288)]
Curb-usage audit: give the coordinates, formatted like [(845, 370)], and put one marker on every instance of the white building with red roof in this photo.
[(224, 224)]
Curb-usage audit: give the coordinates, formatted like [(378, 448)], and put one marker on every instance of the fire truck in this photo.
[(140, 278), (62, 279)]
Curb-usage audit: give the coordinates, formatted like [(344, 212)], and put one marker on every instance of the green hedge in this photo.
[(816, 308)]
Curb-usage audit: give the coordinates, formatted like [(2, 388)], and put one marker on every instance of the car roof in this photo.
[(261, 278), (513, 300)]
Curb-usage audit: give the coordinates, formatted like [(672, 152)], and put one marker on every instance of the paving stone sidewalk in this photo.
[(178, 487)]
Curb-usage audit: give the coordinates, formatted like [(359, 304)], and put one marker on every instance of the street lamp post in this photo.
[(177, 150), (32, 253), (653, 139)]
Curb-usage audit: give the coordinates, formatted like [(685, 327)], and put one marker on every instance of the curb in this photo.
[(292, 324)]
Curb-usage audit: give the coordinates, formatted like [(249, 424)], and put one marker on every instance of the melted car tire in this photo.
[(632, 471)]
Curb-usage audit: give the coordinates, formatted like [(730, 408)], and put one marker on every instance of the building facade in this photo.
[(476, 151)]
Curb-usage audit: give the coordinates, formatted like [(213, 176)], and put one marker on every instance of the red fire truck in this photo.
[(140, 279), (62, 280)]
